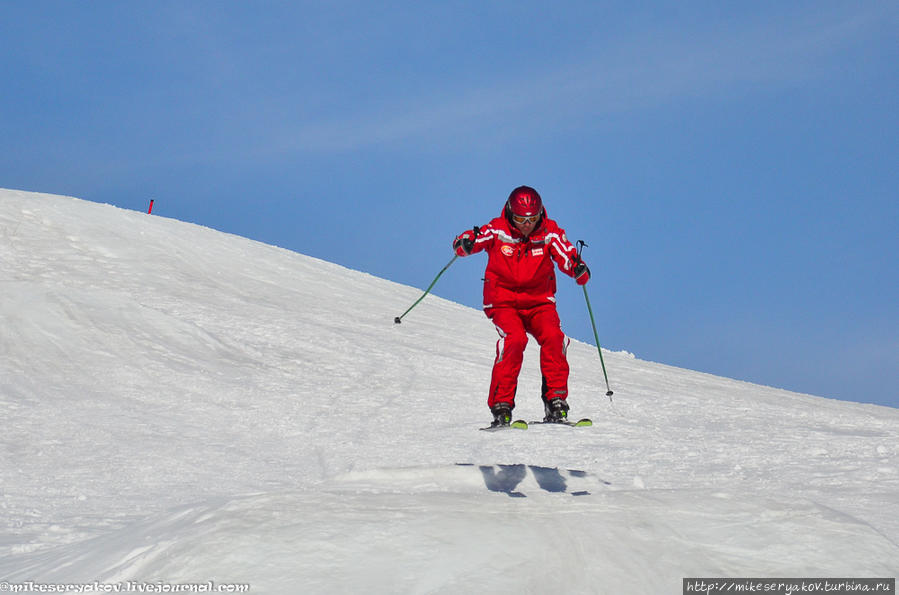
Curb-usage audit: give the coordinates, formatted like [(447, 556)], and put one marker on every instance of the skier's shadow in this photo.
[(507, 478)]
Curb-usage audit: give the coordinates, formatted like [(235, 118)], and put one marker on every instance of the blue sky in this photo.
[(734, 167)]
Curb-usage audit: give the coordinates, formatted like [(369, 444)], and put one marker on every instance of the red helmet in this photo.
[(524, 202)]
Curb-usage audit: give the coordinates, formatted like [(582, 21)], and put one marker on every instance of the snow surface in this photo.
[(183, 405)]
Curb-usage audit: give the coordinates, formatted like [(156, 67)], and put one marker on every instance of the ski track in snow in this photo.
[(185, 405)]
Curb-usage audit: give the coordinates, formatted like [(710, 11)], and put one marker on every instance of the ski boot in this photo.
[(556, 411), (502, 415)]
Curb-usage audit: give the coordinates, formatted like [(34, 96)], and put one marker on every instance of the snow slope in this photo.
[(184, 405)]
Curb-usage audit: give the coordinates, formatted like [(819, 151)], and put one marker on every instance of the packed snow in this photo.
[(181, 406)]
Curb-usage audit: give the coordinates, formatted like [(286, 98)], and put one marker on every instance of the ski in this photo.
[(518, 424), (581, 423)]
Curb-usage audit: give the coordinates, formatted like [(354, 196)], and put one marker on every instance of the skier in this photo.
[(519, 297)]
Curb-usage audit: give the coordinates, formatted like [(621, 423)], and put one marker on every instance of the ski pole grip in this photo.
[(581, 244)]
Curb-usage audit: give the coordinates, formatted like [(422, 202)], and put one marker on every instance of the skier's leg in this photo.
[(509, 355), (543, 323)]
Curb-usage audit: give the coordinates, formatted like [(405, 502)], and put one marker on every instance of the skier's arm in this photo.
[(566, 257), (471, 241)]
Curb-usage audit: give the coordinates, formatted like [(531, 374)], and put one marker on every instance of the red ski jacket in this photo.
[(520, 272)]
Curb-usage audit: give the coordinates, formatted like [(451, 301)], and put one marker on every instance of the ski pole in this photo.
[(399, 318), (581, 244)]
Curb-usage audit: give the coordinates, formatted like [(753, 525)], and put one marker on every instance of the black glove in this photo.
[(581, 273), (463, 245)]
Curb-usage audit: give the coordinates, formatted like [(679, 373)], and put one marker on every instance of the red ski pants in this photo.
[(513, 326)]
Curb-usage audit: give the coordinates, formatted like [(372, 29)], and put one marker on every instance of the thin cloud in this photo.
[(638, 73)]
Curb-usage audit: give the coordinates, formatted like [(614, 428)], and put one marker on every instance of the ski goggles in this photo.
[(523, 220)]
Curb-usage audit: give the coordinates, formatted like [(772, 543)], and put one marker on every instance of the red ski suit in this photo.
[(519, 297)]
